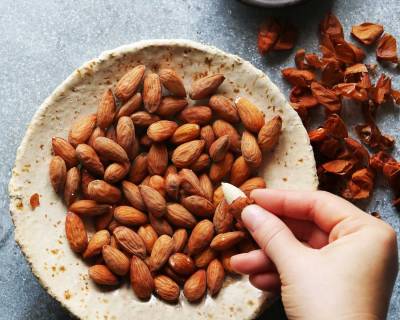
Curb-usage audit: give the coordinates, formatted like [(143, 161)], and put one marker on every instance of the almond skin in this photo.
[(65, 150), (82, 129), (221, 168), (207, 134), (221, 128), (103, 192), (103, 221), (226, 259), (250, 150), (179, 216), (199, 206), (149, 236), (154, 201), (129, 83), (200, 115), (89, 208), (157, 183), (110, 150), (240, 171), (207, 186), (157, 159), (201, 236), (115, 172), (116, 260), (162, 250), (185, 154), (218, 196), (166, 288), (143, 118), (219, 148), (75, 232), (251, 184), (171, 105), (86, 178), (203, 259), (186, 132), (130, 106), (181, 264), (138, 170), (201, 164), (224, 241), (110, 134), (58, 173), (195, 287), (125, 132), (167, 270), (129, 216), (101, 275), (130, 241), (160, 225), (161, 130), (96, 243), (141, 280), (72, 184), (222, 220), (97, 132), (268, 136), (152, 92), (224, 108), (106, 110), (204, 87), (251, 116), (89, 159), (180, 238), (132, 194), (190, 183), (173, 82), (215, 277), (172, 185)]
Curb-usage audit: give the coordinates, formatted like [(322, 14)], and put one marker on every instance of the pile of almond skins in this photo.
[(345, 166), (146, 171)]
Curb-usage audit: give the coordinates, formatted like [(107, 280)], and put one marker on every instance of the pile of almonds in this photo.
[(146, 171)]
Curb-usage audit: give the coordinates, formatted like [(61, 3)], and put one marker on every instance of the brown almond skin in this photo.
[(207, 134), (218, 196), (89, 208), (215, 277), (170, 106), (157, 159), (125, 132), (130, 106), (160, 225), (200, 237), (97, 132), (110, 150), (75, 232), (130, 241), (186, 132), (82, 129), (201, 164), (58, 173), (172, 185), (110, 134), (220, 169), (154, 201), (65, 150), (219, 148), (207, 186), (251, 184), (103, 221), (103, 192), (115, 172), (106, 110), (96, 243), (185, 154), (268, 136), (149, 236), (138, 170), (167, 270), (204, 87), (181, 264), (89, 159), (240, 171), (152, 92), (129, 83), (221, 128), (157, 183), (224, 241), (116, 260), (132, 194), (224, 108), (86, 178), (195, 287), (203, 259), (166, 288), (172, 81), (222, 220), (226, 259), (72, 184), (129, 216), (161, 130), (200, 115), (179, 216), (251, 116), (199, 206), (162, 250), (101, 275), (144, 119), (180, 238), (190, 183), (141, 280), (250, 150)]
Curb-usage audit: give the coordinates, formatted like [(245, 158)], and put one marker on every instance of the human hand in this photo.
[(329, 259)]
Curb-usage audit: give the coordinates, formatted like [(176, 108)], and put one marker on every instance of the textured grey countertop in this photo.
[(42, 43)]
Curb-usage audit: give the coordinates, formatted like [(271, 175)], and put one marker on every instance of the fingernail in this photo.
[(253, 216)]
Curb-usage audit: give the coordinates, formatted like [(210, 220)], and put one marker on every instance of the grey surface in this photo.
[(42, 42)]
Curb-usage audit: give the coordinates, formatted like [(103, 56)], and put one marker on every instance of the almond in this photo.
[(89, 208), (106, 110), (129, 83), (166, 288), (162, 249), (115, 172), (204, 87), (200, 237), (135, 149), (224, 108), (172, 185), (82, 129), (157, 159), (250, 150), (206, 186), (103, 221), (72, 184), (226, 259), (132, 194), (170, 106), (221, 128), (101, 275), (143, 118), (195, 287), (221, 168), (75, 232), (207, 134), (202, 163), (161, 130), (181, 264), (200, 115), (178, 216), (173, 82), (218, 196), (190, 183), (86, 178), (203, 259), (215, 277), (268, 136), (125, 132), (110, 134), (157, 183), (154, 201), (145, 141), (240, 171), (180, 238), (251, 116), (174, 276), (116, 260), (219, 148), (97, 132), (130, 106), (224, 241), (152, 92), (129, 216), (130, 241), (160, 225), (141, 280), (247, 245), (222, 220), (58, 173), (149, 236), (251, 184), (186, 132), (199, 206), (103, 192), (110, 150), (89, 159), (114, 243), (138, 170), (65, 150), (170, 169), (114, 224), (96, 243), (185, 154)]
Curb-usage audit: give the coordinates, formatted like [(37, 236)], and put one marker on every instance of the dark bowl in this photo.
[(272, 3)]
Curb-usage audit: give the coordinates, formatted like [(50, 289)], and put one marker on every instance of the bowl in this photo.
[(40, 232)]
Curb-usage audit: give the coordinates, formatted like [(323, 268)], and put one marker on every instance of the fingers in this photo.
[(252, 262), (323, 208), (266, 281)]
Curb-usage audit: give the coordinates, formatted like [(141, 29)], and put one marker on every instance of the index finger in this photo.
[(324, 209)]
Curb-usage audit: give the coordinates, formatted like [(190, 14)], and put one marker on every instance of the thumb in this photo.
[(272, 235)]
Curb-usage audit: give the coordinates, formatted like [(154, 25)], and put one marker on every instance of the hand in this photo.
[(329, 259)]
